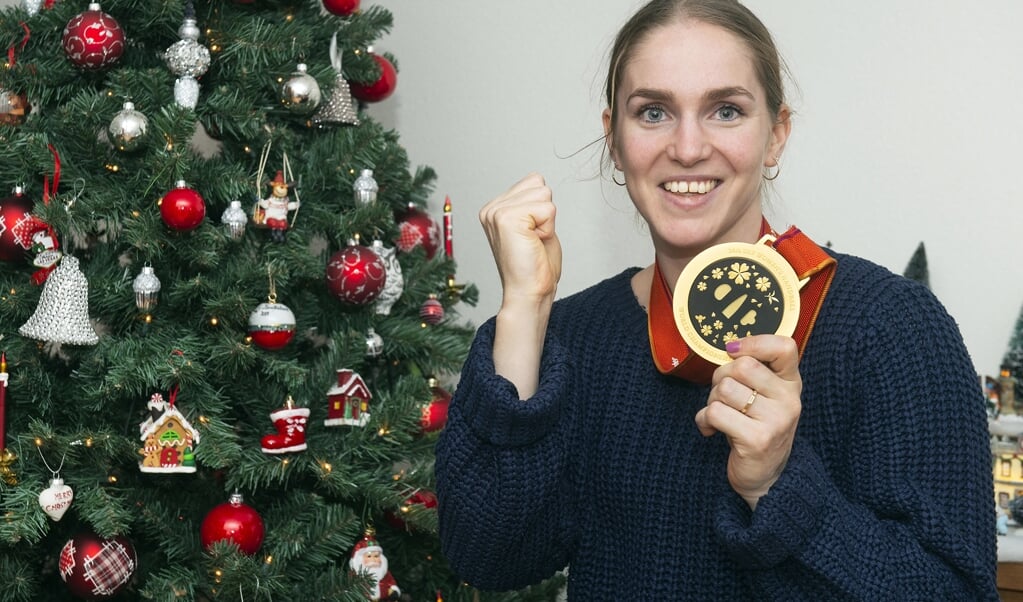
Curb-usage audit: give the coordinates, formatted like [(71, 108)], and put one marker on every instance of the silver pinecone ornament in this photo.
[(62, 315), (339, 108)]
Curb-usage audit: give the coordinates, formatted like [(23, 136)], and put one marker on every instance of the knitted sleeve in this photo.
[(501, 476), (889, 497)]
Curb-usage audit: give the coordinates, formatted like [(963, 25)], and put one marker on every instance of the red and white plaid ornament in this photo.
[(95, 568)]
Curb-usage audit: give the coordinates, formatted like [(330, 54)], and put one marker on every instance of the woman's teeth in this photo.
[(691, 187)]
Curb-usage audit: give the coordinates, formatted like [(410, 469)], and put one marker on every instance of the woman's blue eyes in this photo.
[(652, 114), (728, 113), (656, 113)]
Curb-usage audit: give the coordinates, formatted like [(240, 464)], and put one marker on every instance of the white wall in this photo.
[(908, 129)]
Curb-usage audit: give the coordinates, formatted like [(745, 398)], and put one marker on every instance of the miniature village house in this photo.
[(1005, 425), (168, 439), (348, 399)]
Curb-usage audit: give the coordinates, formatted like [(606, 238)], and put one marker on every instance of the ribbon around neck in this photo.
[(674, 357)]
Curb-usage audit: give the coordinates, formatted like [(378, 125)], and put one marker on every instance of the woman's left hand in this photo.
[(754, 401)]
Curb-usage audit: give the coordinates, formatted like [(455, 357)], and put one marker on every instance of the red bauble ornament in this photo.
[(343, 8), (435, 413), (432, 312), (234, 521), (422, 498), (416, 228), (272, 325), (93, 39), (95, 568), (17, 226), (356, 274), (380, 89), (182, 208)]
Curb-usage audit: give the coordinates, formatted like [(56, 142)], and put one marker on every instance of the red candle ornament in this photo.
[(448, 234), (3, 401)]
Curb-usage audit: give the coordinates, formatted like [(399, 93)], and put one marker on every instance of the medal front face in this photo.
[(731, 291)]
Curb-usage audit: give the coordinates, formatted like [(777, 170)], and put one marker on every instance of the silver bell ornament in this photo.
[(300, 93), (189, 60), (128, 129), (339, 108), (62, 315), (365, 188), (234, 220), (374, 344), (147, 289)]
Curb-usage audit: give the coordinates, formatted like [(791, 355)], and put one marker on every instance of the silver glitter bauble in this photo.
[(365, 188), (300, 94), (147, 289), (189, 60), (394, 283), (187, 57), (128, 129), (62, 315), (234, 219)]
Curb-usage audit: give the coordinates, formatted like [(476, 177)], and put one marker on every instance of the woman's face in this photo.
[(692, 137)]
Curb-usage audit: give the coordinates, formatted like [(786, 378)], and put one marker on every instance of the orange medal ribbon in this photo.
[(734, 290)]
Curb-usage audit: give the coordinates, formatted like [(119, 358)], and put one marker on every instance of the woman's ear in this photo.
[(779, 136), (609, 137)]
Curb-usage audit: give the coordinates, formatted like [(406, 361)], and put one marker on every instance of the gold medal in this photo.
[(734, 290)]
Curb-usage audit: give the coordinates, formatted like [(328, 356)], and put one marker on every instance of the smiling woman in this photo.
[(746, 462)]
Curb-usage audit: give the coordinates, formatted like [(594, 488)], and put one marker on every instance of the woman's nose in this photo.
[(688, 144)]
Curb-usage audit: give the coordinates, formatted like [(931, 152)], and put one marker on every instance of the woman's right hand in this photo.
[(520, 227)]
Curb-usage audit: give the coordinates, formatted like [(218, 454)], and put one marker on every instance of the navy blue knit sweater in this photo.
[(887, 494)]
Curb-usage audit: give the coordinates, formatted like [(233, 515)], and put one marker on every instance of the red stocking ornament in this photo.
[(290, 423)]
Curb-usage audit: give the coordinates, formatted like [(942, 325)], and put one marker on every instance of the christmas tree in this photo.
[(916, 269), (1011, 371), (227, 320)]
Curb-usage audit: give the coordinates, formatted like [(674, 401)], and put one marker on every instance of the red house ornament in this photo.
[(348, 400)]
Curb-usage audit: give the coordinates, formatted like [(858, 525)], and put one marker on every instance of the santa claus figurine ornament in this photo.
[(368, 559)]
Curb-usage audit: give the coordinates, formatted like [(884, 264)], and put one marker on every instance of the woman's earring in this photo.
[(777, 171), (613, 179)]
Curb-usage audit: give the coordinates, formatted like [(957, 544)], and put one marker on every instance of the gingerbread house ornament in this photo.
[(168, 439), (348, 399)]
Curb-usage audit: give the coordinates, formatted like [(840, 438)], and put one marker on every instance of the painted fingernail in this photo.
[(732, 346)]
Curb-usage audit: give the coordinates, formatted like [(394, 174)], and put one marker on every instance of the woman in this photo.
[(850, 465)]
